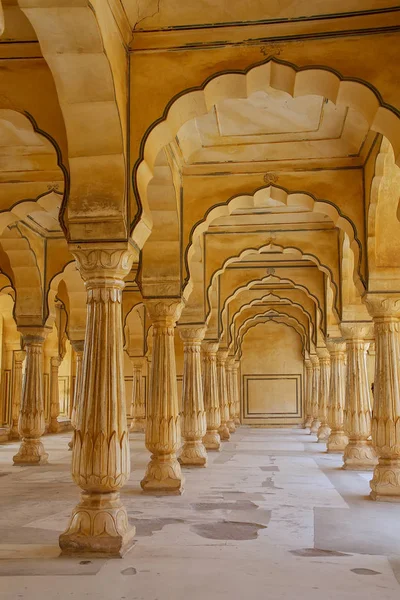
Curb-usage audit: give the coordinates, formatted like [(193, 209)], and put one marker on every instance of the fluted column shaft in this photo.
[(100, 456), (359, 453), (78, 346), (163, 431), (31, 424), (236, 392), (324, 381), (223, 395), (138, 404), (385, 311), (315, 394), (211, 440), (338, 439), (194, 425), (309, 386), (231, 394), (19, 358), (54, 426)]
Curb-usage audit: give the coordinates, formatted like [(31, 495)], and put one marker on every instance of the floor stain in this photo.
[(365, 572), (146, 527), (129, 571), (237, 505), (269, 483), (313, 552), (228, 530), (272, 468)]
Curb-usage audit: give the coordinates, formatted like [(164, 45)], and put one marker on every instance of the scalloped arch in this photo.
[(265, 318), (261, 302), (266, 248), (278, 74)]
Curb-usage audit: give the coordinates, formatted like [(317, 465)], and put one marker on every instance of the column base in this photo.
[(138, 425), (385, 484), (14, 435), (337, 442), (163, 476), (237, 422), (315, 425), (99, 527), (54, 426), (308, 422), (323, 433), (224, 433), (231, 426), (31, 453), (212, 440), (193, 454), (71, 444), (359, 455)]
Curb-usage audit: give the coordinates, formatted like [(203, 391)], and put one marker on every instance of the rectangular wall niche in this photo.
[(274, 399)]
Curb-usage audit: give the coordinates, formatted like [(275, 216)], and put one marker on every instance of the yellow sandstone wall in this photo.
[(272, 376)]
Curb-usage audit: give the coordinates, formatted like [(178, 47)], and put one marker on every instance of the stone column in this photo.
[(223, 395), (54, 426), (211, 440), (19, 357), (235, 383), (194, 416), (231, 394), (359, 453), (308, 403), (324, 381), (100, 455), (338, 439), (315, 425), (31, 424), (385, 310), (78, 346), (163, 431), (138, 404)]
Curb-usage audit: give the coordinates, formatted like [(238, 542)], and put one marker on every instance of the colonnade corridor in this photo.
[(273, 516)]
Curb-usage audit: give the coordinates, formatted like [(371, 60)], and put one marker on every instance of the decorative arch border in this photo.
[(268, 279), (240, 83), (260, 302), (248, 251)]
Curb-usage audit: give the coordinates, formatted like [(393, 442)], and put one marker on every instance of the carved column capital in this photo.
[(210, 348), (164, 311), (222, 355), (314, 360), (55, 362), (192, 334), (357, 331), (383, 306), (335, 345), (323, 355), (78, 346), (19, 356), (101, 262)]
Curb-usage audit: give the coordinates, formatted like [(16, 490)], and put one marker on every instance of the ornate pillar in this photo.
[(324, 381), (19, 357), (236, 393), (338, 439), (163, 431), (54, 426), (385, 311), (359, 453), (231, 394), (308, 403), (223, 395), (78, 346), (100, 455), (138, 404), (31, 423), (211, 440), (194, 416), (315, 394)]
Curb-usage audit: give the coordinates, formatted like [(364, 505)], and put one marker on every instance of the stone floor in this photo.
[(273, 516)]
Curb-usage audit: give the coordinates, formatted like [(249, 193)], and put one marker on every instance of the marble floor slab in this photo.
[(272, 516)]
